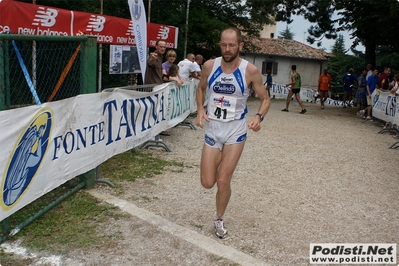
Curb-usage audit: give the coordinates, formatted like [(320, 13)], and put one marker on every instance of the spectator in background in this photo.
[(360, 97), (173, 75), (269, 81), (186, 67), (395, 85), (170, 59), (348, 80), (197, 66), (324, 86), (295, 89), (153, 72), (369, 68), (383, 79), (371, 84)]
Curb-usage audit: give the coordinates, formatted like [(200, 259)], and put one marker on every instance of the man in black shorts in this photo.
[(295, 89)]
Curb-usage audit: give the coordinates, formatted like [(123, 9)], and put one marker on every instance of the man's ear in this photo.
[(241, 45)]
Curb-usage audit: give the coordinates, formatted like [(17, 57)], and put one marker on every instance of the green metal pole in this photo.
[(2, 77), (88, 79), (7, 75)]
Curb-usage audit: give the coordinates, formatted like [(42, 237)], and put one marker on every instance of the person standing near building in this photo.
[(269, 81), (153, 72), (371, 84), (324, 86), (226, 79), (360, 97), (348, 80), (295, 89)]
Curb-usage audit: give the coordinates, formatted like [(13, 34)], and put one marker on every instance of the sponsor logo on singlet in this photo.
[(224, 88)]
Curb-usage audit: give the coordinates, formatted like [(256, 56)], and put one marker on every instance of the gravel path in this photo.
[(322, 177)]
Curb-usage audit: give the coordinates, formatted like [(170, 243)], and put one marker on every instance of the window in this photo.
[(269, 65)]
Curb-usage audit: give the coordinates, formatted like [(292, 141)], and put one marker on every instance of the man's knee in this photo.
[(223, 184), (207, 183)]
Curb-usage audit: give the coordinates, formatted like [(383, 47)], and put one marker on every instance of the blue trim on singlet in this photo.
[(239, 79), (244, 113), (215, 75)]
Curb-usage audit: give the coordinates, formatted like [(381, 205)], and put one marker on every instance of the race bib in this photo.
[(222, 107)]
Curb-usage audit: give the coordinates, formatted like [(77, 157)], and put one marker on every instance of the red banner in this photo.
[(23, 18)]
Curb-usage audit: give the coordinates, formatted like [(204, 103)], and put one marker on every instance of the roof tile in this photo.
[(287, 48)]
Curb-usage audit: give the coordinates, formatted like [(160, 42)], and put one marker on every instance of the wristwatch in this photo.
[(260, 116)]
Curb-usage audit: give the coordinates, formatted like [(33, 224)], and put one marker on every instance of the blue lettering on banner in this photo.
[(141, 51), (391, 106), (380, 105), (134, 115), (178, 101)]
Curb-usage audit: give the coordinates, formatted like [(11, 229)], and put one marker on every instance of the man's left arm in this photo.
[(253, 76)]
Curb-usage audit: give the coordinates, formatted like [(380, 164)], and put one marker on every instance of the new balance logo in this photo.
[(96, 23), (45, 17), (130, 31), (163, 33)]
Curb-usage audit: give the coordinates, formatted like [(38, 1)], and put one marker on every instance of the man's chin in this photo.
[(227, 58)]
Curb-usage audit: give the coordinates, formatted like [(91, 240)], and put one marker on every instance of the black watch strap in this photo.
[(260, 116)]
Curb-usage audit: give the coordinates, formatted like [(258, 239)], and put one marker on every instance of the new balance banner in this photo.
[(23, 18)]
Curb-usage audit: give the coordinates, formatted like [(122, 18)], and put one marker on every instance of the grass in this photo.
[(73, 223)]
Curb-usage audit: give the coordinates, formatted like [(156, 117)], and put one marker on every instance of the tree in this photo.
[(340, 62), (207, 18), (286, 34), (371, 22)]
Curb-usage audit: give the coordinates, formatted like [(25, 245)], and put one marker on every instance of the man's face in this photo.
[(388, 71), (229, 46), (161, 47), (191, 58), (375, 72)]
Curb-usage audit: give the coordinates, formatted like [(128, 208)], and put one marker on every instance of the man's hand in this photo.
[(254, 124), (201, 114)]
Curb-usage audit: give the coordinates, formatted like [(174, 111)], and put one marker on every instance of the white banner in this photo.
[(385, 106), (44, 146), (278, 91), (139, 20)]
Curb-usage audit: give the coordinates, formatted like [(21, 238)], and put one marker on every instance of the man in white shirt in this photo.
[(197, 63), (187, 68)]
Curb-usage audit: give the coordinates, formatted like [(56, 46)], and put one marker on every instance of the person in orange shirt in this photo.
[(324, 86)]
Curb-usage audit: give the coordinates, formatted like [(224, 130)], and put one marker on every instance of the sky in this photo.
[(300, 28)]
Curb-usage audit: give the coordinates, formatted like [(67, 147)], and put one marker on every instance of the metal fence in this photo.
[(39, 69)]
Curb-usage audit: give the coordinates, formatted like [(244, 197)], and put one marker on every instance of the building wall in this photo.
[(310, 70), (269, 31)]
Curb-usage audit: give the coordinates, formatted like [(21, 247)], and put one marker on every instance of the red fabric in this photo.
[(24, 18), (383, 76), (324, 80)]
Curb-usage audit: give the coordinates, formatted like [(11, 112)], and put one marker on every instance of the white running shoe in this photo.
[(368, 118), (220, 229)]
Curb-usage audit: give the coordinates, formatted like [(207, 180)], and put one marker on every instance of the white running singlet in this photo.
[(228, 93)]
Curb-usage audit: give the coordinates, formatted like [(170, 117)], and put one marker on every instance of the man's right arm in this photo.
[(201, 93)]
